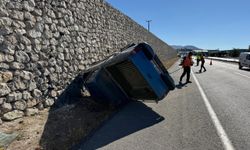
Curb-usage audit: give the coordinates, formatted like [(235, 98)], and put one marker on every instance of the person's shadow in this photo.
[(181, 85)]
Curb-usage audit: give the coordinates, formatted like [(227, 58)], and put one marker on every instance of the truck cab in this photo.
[(135, 73), (244, 60)]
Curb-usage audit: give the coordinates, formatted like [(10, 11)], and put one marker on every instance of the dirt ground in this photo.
[(58, 129)]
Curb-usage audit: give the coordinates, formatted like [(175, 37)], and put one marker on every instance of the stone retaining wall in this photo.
[(44, 44)]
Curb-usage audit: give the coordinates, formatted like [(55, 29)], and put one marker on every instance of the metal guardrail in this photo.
[(233, 60)]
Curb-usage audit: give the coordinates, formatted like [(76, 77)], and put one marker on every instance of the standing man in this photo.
[(202, 63), (186, 64), (197, 59)]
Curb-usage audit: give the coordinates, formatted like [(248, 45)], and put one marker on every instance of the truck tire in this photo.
[(240, 67)]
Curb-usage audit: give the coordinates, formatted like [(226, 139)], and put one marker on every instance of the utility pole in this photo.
[(148, 21)]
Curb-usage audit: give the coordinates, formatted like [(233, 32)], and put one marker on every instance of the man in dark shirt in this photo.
[(202, 63)]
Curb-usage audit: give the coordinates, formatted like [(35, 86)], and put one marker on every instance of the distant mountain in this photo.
[(191, 47), (176, 46), (185, 47)]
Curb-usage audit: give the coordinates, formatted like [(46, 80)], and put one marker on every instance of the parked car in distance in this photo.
[(244, 60)]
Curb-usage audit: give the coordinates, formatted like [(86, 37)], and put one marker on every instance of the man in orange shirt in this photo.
[(186, 64)]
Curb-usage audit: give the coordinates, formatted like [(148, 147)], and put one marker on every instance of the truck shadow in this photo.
[(74, 118), (71, 117), (245, 69), (134, 117)]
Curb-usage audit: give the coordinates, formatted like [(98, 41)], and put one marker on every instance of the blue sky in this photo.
[(208, 24)]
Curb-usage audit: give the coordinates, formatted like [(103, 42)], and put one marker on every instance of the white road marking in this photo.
[(242, 75), (219, 128)]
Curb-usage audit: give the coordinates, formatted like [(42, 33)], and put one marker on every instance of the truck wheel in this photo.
[(240, 67)]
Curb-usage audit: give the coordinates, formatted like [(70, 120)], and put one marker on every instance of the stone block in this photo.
[(22, 57), (6, 107), (16, 65), (48, 102), (20, 105), (4, 89), (53, 93), (26, 95), (2, 100), (6, 76), (29, 16), (15, 96), (31, 103), (34, 34), (27, 6), (40, 106), (5, 21), (26, 75), (31, 112), (8, 58), (20, 84), (37, 12), (24, 40), (13, 115), (37, 93), (4, 66), (17, 15), (32, 85), (4, 30), (3, 12)]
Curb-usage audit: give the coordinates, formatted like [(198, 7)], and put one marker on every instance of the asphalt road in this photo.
[(228, 90), (183, 120)]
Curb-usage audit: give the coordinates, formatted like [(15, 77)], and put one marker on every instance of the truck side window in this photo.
[(248, 57)]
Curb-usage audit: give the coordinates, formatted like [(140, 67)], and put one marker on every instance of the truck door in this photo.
[(248, 60)]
